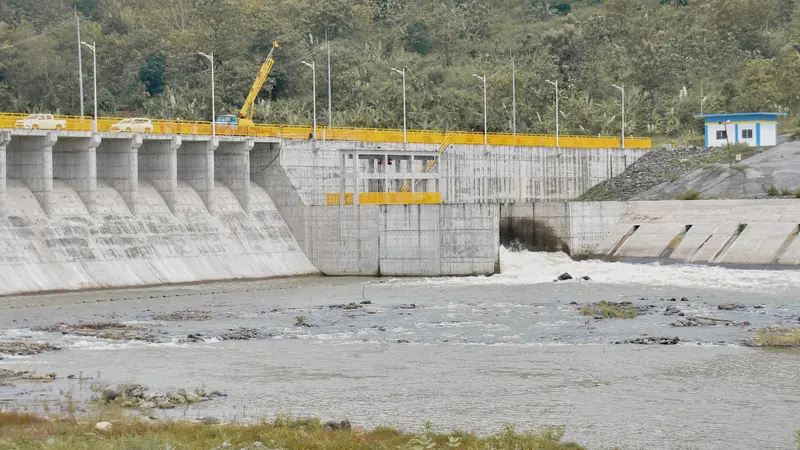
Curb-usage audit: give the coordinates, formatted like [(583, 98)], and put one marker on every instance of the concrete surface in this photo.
[(750, 178), (468, 173), (752, 233)]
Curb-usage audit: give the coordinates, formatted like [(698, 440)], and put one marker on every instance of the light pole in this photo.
[(555, 84), (622, 89), (485, 136), (314, 83), (514, 99), (405, 124), (210, 57), (80, 62), (94, 80)]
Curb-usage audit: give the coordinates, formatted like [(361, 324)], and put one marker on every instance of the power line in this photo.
[(32, 38)]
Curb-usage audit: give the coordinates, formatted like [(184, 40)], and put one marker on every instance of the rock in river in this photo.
[(564, 277), (652, 340)]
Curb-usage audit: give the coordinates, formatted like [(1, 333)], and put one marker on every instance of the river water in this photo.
[(462, 353)]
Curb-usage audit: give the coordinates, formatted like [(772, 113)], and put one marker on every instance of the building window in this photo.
[(747, 134), (722, 134)]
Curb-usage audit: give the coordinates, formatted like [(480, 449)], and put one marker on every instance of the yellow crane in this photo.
[(246, 113)]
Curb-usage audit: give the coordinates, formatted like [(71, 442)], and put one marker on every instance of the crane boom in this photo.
[(246, 113)]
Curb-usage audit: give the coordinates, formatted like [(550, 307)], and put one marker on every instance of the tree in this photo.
[(151, 74)]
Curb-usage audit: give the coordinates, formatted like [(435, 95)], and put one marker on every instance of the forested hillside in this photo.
[(741, 54)]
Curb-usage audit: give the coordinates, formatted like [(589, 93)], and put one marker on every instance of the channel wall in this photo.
[(744, 233)]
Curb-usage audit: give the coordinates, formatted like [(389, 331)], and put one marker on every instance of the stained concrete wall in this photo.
[(158, 165), (118, 166), (405, 240), (469, 173)]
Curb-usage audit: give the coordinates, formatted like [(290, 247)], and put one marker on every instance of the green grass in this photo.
[(797, 193), (740, 167), (688, 195), (21, 431), (609, 311), (786, 193), (778, 337), (773, 191)]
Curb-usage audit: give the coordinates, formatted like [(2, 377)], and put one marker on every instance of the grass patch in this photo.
[(21, 431), (778, 337), (740, 167), (797, 193), (773, 191), (608, 310), (786, 193), (689, 195)]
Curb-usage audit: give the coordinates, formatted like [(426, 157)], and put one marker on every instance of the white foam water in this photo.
[(537, 267)]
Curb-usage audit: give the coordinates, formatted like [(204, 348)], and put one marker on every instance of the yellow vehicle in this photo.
[(245, 114)]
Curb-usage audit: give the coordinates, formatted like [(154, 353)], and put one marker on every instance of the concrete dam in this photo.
[(82, 210)]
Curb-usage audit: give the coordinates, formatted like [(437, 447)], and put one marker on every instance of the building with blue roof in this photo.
[(758, 129)]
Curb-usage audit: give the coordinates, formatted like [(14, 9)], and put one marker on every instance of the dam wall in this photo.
[(387, 240), (745, 233), (471, 173), (86, 211)]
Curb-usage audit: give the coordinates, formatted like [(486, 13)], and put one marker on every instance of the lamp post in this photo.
[(622, 89), (210, 57), (405, 124), (80, 61), (314, 93), (94, 63), (555, 84), (485, 121)]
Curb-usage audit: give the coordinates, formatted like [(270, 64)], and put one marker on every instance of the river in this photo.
[(463, 353)]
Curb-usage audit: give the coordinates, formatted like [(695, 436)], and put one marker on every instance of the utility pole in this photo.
[(313, 67), (405, 125), (485, 121), (513, 99), (80, 61), (330, 96), (622, 89), (555, 84), (210, 57), (93, 48)]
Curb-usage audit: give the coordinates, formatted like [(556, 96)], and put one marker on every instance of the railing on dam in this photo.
[(386, 198), (104, 124)]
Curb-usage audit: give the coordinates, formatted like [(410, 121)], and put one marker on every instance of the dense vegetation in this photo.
[(740, 54)]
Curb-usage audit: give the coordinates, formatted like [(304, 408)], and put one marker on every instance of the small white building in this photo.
[(759, 129)]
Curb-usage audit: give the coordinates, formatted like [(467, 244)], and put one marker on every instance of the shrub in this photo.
[(609, 310), (689, 195), (773, 191), (786, 193), (778, 337), (740, 167), (797, 193)]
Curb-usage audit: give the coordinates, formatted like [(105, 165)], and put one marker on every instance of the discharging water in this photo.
[(465, 353)]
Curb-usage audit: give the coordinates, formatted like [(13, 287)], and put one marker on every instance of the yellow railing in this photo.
[(104, 124), (387, 198)]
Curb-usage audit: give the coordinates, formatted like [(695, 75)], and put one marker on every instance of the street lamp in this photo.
[(94, 62), (210, 57), (405, 127), (555, 84), (622, 89), (485, 136), (314, 82)]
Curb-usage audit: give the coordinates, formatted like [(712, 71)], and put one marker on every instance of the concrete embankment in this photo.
[(747, 233)]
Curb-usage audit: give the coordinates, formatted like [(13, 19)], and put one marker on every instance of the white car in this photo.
[(41, 122), (135, 125)]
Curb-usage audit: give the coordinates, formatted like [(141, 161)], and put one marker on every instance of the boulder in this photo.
[(110, 394), (586, 278), (191, 397), (564, 277), (102, 427), (165, 405), (671, 310), (147, 421), (344, 425), (731, 306), (684, 299), (208, 420), (147, 405)]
